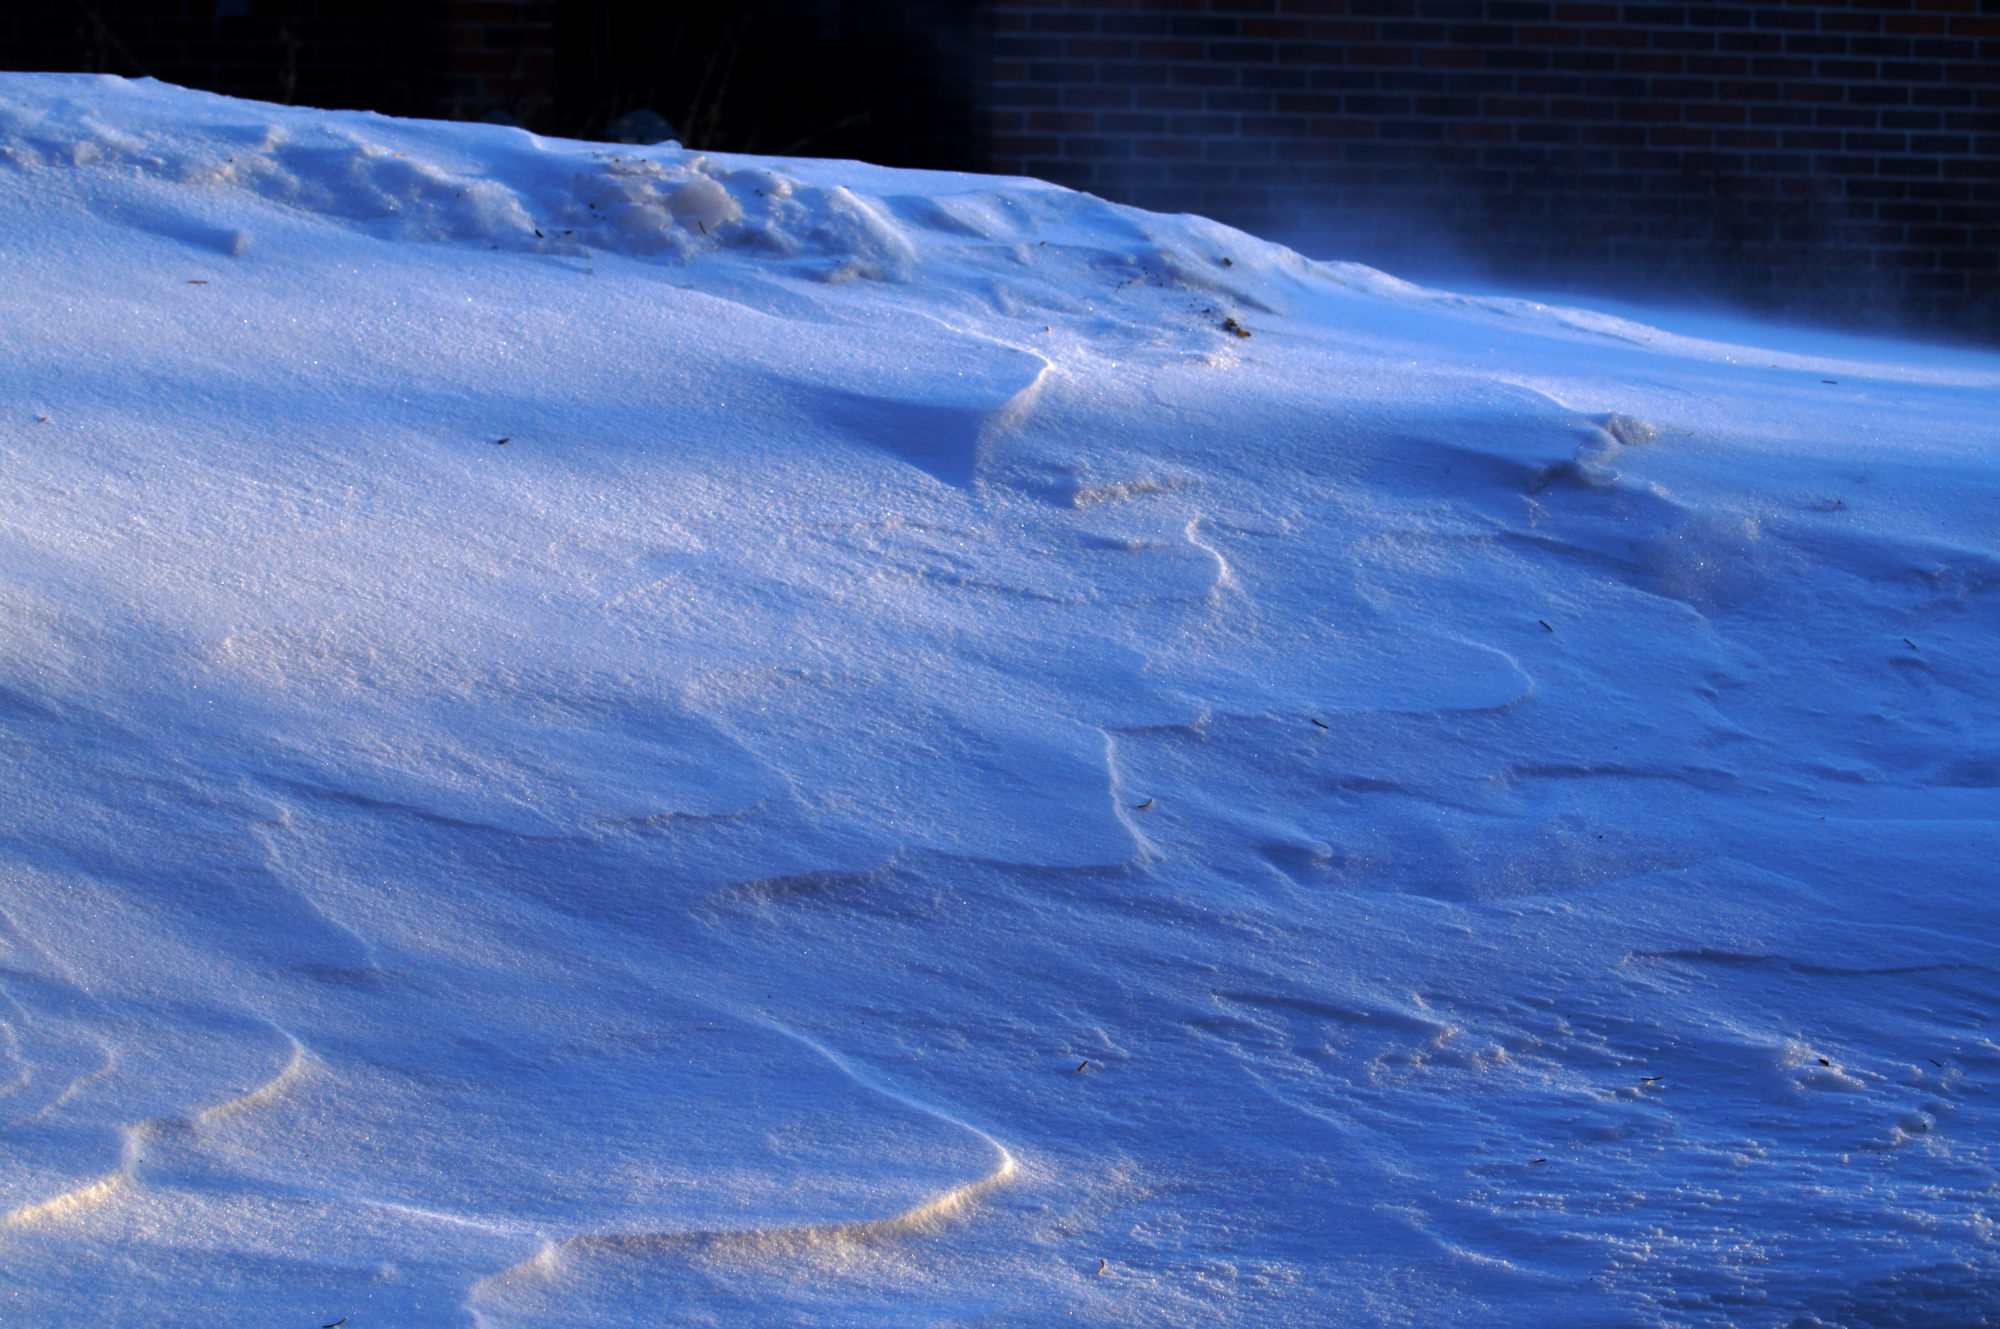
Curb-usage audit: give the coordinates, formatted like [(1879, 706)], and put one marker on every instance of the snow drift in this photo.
[(620, 736)]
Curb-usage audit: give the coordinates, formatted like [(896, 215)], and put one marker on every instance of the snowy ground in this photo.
[(612, 737)]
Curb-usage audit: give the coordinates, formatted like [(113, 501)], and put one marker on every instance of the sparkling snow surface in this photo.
[(929, 782)]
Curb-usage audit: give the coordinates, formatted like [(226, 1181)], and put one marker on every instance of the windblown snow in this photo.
[(613, 737)]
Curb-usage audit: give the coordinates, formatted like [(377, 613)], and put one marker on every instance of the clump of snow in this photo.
[(417, 182), (619, 736)]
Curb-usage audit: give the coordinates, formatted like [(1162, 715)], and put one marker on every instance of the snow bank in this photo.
[(622, 736)]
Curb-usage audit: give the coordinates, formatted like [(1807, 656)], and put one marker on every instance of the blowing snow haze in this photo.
[(609, 736)]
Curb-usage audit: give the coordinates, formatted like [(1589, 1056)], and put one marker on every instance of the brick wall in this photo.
[(492, 55), (1817, 156), (451, 59)]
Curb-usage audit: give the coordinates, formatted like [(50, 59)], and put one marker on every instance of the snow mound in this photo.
[(506, 189), (616, 737)]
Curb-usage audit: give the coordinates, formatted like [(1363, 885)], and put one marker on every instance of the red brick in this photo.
[(1650, 112), (1616, 37)]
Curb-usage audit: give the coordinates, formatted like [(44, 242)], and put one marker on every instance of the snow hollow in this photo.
[(619, 737)]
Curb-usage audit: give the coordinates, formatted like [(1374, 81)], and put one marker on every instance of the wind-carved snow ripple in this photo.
[(1583, 508), (558, 763), (1225, 576), (904, 773), (943, 422), (51, 1053), (578, 1256), (141, 1140)]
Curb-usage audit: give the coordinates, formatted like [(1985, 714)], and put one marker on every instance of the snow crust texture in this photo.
[(602, 737)]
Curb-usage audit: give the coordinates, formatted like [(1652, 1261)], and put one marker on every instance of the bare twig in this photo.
[(101, 31), (858, 118)]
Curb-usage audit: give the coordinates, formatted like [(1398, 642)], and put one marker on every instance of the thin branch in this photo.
[(858, 118), (104, 33)]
